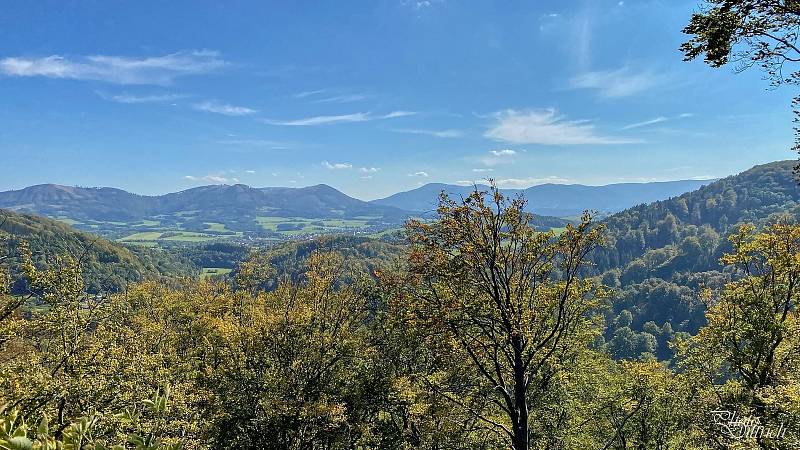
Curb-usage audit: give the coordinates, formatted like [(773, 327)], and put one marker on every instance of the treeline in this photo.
[(486, 334)]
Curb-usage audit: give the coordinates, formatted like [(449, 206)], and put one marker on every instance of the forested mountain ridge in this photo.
[(107, 266), (659, 256), (560, 200), (696, 223)]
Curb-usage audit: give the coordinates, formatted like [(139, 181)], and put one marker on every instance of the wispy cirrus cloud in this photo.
[(656, 120), (336, 166), (434, 133), (344, 98), (223, 108), (343, 118), (140, 99), (266, 143), (623, 82), (321, 120), (546, 127), (331, 96), (155, 70), (305, 94), (420, 174), (645, 123), (396, 114)]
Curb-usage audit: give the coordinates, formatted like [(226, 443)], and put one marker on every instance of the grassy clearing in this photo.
[(143, 236), (345, 223), (215, 226), (214, 271), (186, 236), (68, 221), (305, 225)]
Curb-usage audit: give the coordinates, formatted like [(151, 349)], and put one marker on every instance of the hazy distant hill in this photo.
[(212, 212), (560, 200), (107, 204)]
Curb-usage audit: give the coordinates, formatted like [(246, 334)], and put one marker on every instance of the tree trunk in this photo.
[(521, 432)]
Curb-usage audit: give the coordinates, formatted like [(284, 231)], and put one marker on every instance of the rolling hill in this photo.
[(108, 266), (559, 200), (110, 204), (658, 256), (212, 212)]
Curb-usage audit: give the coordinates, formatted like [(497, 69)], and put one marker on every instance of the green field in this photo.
[(143, 236), (186, 236), (68, 221), (177, 236), (215, 226), (214, 271), (305, 225)]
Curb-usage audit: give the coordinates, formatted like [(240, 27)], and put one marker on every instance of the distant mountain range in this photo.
[(559, 200), (110, 204), (239, 211)]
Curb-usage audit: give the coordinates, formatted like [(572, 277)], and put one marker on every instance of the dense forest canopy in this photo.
[(481, 332)]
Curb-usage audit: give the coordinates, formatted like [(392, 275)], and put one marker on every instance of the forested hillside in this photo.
[(660, 255), (106, 266)]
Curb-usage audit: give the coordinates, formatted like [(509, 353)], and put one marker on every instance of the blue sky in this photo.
[(370, 97)]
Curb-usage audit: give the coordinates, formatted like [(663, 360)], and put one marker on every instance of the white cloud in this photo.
[(333, 96), (645, 123), (136, 99), (344, 98), (395, 114), (158, 70), (546, 127), (495, 157), (528, 182), (658, 119), (250, 171), (434, 133), (505, 152), (336, 166), (483, 170), (223, 108), (343, 118), (369, 169), (309, 93), (272, 145), (322, 120), (419, 174), (214, 179), (621, 82)]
